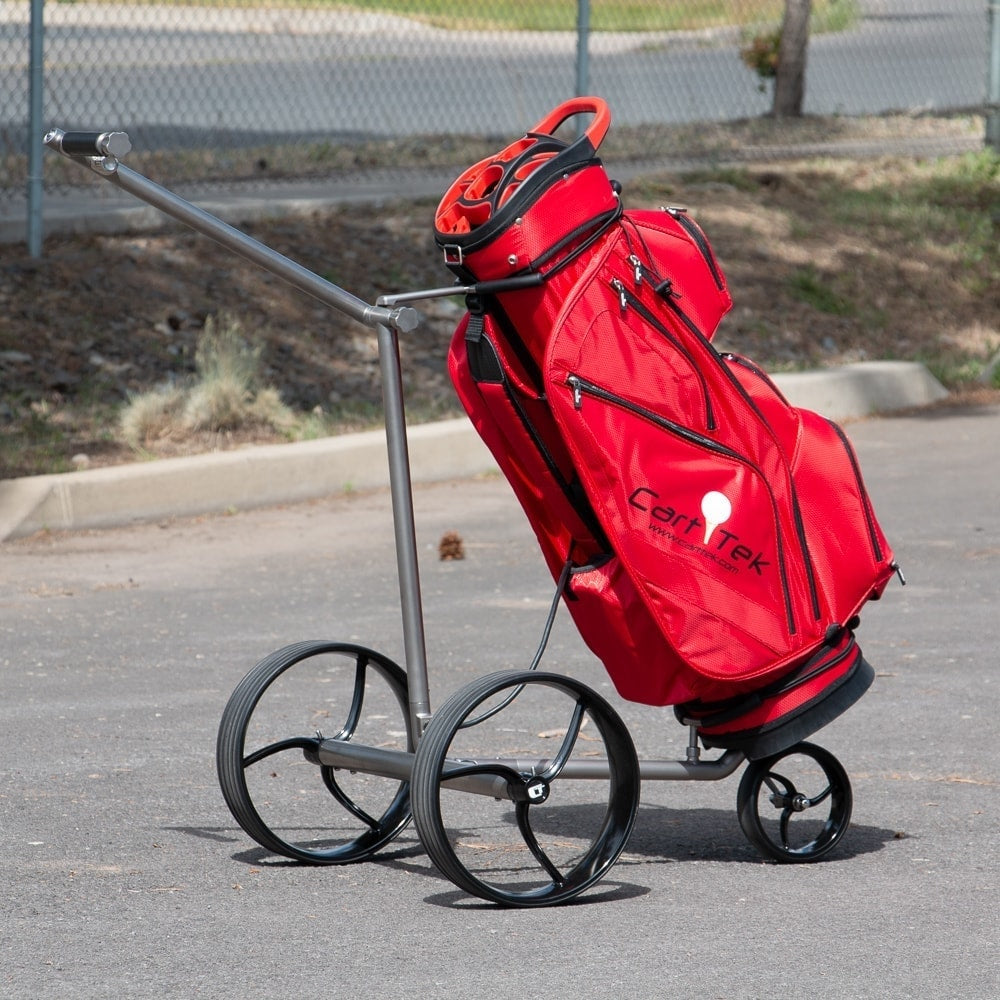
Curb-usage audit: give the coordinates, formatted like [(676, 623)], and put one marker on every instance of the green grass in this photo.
[(811, 287), (561, 15), (950, 206)]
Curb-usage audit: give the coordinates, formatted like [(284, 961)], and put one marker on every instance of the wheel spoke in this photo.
[(294, 743), (345, 800), (569, 741), (782, 790), (816, 800), (786, 815), (522, 812), (358, 701)]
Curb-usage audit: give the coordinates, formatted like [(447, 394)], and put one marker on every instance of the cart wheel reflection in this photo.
[(795, 805), (525, 788), (270, 776)]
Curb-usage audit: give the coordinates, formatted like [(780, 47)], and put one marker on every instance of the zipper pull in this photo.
[(638, 268), (622, 297), (673, 210), (574, 383), (665, 289)]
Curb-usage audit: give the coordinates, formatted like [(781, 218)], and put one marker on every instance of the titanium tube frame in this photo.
[(390, 316)]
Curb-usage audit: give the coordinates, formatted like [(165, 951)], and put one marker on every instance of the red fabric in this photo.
[(739, 526), (827, 669)]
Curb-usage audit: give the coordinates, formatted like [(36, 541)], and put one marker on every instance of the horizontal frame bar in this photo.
[(398, 764)]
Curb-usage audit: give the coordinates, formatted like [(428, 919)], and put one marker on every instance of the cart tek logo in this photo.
[(716, 509), (705, 534)]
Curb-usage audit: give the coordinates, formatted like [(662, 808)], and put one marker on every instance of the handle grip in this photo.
[(115, 144)]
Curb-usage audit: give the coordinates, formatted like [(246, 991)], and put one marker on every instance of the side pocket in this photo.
[(618, 628), (852, 558), (519, 431)]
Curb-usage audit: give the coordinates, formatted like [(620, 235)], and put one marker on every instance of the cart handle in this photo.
[(101, 151), (115, 144)]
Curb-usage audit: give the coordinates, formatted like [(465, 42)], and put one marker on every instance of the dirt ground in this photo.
[(100, 318)]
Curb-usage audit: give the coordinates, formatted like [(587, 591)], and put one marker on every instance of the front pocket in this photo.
[(698, 527)]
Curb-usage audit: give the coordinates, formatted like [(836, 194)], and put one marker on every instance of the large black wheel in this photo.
[(795, 805), (525, 788), (270, 776)]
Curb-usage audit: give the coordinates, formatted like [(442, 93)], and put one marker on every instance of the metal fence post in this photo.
[(36, 85), (582, 46), (993, 91)]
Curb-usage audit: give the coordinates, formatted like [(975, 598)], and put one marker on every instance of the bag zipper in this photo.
[(627, 300), (800, 528), (694, 231), (581, 386), (862, 492), (855, 467), (742, 362), (573, 496)]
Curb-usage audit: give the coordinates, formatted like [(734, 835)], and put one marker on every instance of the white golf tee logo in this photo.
[(715, 509)]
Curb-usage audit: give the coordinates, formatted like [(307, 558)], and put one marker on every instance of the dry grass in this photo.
[(830, 260), (225, 395)]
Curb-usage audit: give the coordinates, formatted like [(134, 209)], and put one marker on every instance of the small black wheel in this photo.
[(271, 779), (795, 805), (525, 788)]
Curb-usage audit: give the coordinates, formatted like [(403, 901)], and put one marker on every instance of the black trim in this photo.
[(571, 489), (483, 305), (700, 240), (795, 726), (488, 363), (749, 400), (569, 161), (711, 714), (600, 224)]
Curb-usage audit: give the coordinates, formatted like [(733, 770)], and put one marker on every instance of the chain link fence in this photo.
[(217, 91)]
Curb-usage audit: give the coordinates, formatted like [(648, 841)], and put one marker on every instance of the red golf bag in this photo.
[(719, 542)]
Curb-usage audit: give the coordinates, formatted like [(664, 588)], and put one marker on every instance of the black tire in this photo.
[(547, 837), (278, 792), (795, 806)]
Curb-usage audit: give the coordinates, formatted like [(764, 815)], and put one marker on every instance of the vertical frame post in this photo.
[(401, 493)]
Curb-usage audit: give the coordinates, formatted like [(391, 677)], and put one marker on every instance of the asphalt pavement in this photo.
[(124, 874)]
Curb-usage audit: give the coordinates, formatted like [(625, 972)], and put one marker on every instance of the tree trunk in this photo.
[(790, 74)]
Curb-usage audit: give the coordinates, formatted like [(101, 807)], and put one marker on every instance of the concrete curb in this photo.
[(288, 473), (862, 389)]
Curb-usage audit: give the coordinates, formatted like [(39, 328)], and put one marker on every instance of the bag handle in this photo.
[(482, 192), (596, 130)]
